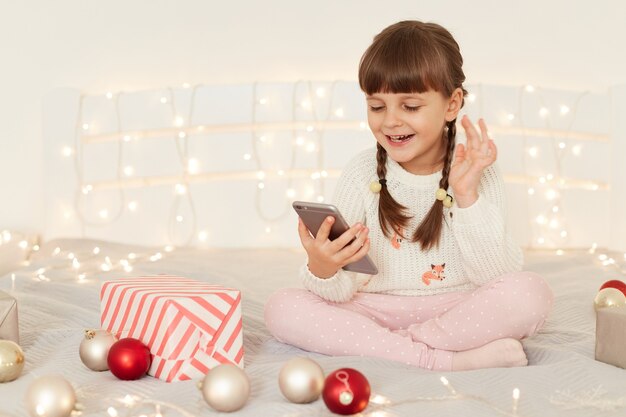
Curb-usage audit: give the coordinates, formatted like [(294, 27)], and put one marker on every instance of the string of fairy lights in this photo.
[(549, 226)]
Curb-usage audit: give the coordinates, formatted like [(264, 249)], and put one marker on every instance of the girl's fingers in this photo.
[(360, 253), (459, 155), (324, 231), (493, 150), (485, 136), (473, 138), (305, 235), (354, 246), (346, 237)]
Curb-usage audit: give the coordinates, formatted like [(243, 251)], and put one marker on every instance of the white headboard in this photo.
[(218, 165)]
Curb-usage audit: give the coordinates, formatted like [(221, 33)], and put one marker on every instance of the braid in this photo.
[(429, 231), (390, 212)]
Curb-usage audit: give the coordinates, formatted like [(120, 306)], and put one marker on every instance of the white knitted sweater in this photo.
[(474, 246)]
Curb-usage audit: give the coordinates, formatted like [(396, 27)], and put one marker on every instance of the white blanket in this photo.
[(54, 311)]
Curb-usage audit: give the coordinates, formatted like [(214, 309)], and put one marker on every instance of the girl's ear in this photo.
[(454, 104)]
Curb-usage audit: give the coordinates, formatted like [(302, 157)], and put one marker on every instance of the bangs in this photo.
[(404, 63)]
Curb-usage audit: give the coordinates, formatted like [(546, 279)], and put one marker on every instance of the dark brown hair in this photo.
[(413, 57)]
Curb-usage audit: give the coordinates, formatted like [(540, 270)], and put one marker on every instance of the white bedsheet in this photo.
[(54, 313)]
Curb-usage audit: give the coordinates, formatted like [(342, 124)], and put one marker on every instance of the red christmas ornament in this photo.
[(346, 391), (614, 283), (129, 359)]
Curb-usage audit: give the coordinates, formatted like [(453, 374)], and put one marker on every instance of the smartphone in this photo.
[(314, 214)]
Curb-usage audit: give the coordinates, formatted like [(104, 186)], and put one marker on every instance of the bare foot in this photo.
[(501, 353)]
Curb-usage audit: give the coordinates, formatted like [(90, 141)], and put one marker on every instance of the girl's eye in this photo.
[(376, 108), (411, 108)]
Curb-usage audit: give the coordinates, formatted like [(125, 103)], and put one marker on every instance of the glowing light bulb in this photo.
[(260, 175), (543, 112), (299, 141), (179, 121), (541, 219), (280, 172), (576, 150), (186, 85), (96, 250), (67, 151), (263, 101), (554, 223), (316, 175), (129, 171), (247, 156), (310, 147), (533, 151), (559, 252), (551, 194), (261, 185), (180, 189), (310, 128), (549, 177), (23, 244), (320, 198), (320, 92), (103, 214), (85, 126), (510, 116), (163, 99), (193, 166), (132, 206), (564, 110), (109, 95), (530, 89), (169, 248), (563, 233), (541, 241), (339, 112), (471, 97), (87, 189), (306, 104), (127, 138), (531, 191), (179, 218), (555, 209), (291, 193), (182, 135), (562, 145), (324, 173), (268, 229), (203, 235)]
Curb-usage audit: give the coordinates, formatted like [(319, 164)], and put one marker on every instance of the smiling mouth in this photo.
[(399, 138)]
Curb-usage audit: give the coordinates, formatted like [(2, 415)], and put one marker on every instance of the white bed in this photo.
[(53, 314)]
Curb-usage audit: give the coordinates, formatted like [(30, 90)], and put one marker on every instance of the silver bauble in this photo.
[(609, 297), (50, 396), (94, 349), (11, 360), (226, 388), (301, 380)]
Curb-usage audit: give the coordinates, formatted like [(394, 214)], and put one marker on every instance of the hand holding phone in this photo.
[(334, 244)]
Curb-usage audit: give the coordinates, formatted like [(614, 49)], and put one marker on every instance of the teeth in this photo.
[(398, 138)]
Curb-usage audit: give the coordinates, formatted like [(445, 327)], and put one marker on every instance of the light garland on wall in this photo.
[(549, 225)]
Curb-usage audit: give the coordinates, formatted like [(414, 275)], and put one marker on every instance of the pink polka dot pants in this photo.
[(423, 331)]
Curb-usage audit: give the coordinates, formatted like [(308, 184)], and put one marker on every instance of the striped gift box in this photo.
[(189, 326)]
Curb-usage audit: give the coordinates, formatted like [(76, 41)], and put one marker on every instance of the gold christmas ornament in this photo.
[(50, 396), (609, 297), (11, 360), (441, 194), (375, 187), (226, 388), (94, 349), (301, 380)]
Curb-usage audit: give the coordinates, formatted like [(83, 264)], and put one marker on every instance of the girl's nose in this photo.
[(391, 120)]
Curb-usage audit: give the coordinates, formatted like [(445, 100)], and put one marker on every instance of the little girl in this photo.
[(449, 294)]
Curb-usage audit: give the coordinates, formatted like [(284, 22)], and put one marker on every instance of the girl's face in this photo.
[(410, 126)]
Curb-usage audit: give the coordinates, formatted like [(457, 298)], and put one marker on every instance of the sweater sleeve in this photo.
[(487, 249), (349, 198)]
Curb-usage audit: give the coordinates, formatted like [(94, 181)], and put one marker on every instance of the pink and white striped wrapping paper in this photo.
[(189, 326)]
